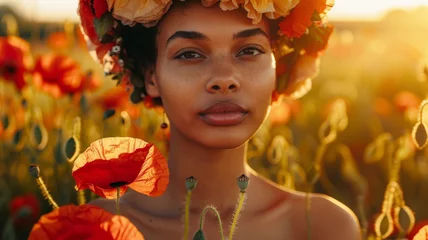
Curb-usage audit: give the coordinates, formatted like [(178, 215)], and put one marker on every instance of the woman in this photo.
[(215, 74)]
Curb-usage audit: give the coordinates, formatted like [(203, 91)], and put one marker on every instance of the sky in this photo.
[(54, 10)]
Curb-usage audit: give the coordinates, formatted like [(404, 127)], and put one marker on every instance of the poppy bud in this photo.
[(34, 170), (243, 182), (191, 183), (199, 235)]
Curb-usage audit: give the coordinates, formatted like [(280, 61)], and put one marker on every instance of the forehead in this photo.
[(192, 16)]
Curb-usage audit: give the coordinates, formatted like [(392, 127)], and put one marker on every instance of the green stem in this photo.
[(236, 214), (217, 214), (117, 201), (186, 215)]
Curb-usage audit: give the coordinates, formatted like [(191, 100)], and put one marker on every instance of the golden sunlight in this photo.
[(53, 10)]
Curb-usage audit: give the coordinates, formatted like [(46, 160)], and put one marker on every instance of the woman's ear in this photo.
[(151, 83)]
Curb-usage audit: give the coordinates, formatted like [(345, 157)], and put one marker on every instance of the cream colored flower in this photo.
[(271, 8), (227, 5), (282, 8), (146, 12)]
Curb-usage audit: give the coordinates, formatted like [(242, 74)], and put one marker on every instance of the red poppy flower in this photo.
[(83, 222), (121, 162), (15, 60), (300, 18), (89, 82), (24, 209), (88, 11), (57, 74)]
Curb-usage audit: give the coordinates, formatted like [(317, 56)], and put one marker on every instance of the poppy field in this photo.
[(359, 135)]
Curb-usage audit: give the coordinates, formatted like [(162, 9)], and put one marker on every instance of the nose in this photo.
[(223, 79)]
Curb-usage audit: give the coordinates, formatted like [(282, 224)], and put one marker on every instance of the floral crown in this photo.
[(302, 36)]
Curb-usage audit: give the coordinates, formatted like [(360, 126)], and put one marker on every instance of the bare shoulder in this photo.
[(332, 220), (329, 218)]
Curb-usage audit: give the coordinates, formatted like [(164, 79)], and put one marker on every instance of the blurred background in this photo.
[(348, 138)]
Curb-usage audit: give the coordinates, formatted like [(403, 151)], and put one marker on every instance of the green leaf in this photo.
[(103, 25)]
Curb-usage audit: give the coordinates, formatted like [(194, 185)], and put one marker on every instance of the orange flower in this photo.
[(300, 18), (83, 222), (121, 162), (280, 113), (15, 60), (405, 100), (57, 74), (58, 41)]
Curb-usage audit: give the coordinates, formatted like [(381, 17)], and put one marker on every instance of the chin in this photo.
[(223, 139)]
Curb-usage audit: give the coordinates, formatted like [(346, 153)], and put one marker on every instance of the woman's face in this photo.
[(215, 73)]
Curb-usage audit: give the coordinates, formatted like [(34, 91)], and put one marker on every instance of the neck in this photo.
[(215, 170)]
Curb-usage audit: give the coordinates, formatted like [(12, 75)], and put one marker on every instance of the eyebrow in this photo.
[(250, 32), (199, 36), (187, 35)]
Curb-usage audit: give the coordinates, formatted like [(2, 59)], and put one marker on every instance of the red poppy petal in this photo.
[(100, 7), (154, 175), (128, 160), (83, 222)]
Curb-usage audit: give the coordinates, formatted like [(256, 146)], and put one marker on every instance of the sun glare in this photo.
[(369, 9)]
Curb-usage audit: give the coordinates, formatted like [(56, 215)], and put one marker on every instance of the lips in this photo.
[(224, 114)]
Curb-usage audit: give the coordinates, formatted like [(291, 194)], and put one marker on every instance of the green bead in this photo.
[(191, 183), (243, 182)]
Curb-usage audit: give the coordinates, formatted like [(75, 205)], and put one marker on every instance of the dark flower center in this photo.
[(117, 184), (9, 69)]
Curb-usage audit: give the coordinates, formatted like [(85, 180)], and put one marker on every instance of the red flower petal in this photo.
[(296, 23), (57, 74), (83, 222), (132, 161), (100, 7), (87, 20), (18, 204), (15, 60)]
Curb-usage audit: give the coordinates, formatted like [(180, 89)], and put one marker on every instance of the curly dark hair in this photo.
[(139, 43)]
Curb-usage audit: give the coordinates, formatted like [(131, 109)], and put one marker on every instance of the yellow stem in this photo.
[(236, 214), (217, 214), (46, 193), (186, 215), (81, 197)]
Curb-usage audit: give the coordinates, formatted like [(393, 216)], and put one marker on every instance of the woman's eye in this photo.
[(189, 55), (250, 51)]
